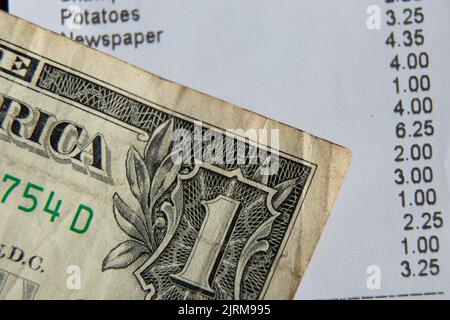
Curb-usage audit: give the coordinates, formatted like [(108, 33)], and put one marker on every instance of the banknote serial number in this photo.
[(33, 198)]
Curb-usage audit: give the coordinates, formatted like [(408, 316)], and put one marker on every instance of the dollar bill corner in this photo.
[(190, 228)]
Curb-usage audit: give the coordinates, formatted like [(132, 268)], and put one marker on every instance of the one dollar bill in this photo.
[(117, 184)]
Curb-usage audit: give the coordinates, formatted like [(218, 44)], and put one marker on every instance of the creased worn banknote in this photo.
[(117, 184)]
